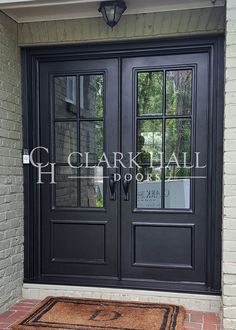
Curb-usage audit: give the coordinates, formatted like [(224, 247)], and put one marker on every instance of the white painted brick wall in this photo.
[(229, 221), (11, 188)]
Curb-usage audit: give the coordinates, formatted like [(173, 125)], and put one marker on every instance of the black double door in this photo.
[(111, 220)]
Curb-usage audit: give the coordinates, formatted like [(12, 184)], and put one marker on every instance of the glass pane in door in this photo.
[(150, 93), (78, 130), (65, 140), (91, 96), (65, 97), (177, 188), (179, 92), (149, 187), (164, 138), (66, 188), (178, 140), (92, 187), (91, 140), (149, 143)]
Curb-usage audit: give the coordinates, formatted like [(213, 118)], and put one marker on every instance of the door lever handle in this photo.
[(112, 185), (126, 189)]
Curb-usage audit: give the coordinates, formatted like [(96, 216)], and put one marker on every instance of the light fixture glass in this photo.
[(112, 11)]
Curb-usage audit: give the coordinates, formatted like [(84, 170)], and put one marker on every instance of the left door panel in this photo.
[(78, 113)]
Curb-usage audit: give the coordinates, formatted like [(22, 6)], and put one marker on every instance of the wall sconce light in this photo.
[(112, 11)]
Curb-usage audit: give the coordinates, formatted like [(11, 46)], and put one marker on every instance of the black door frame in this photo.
[(31, 59)]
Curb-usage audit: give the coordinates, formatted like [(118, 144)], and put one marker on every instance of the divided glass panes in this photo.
[(164, 138), (78, 128), (150, 93)]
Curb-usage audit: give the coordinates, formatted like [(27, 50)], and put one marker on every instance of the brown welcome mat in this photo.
[(90, 314)]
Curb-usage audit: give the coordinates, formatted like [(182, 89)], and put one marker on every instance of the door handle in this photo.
[(112, 185), (126, 189)]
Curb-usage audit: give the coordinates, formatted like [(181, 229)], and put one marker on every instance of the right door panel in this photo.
[(164, 206)]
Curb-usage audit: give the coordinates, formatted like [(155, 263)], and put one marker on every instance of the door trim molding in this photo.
[(31, 59)]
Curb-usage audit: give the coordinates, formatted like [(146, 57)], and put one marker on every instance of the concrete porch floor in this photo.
[(194, 320)]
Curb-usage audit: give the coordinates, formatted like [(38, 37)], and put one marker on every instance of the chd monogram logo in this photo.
[(128, 161)]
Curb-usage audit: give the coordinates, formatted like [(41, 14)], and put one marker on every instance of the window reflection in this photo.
[(149, 140), (179, 92), (78, 127), (178, 139), (148, 188), (150, 93), (65, 97), (91, 187), (65, 188), (177, 188), (169, 135), (91, 96), (91, 140), (65, 140)]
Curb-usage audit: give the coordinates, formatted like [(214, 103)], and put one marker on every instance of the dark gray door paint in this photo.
[(161, 229), (164, 219), (79, 219)]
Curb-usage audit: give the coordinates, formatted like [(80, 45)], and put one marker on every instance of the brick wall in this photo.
[(229, 221), (11, 189)]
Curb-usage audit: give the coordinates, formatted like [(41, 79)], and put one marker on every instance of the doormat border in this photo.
[(45, 305)]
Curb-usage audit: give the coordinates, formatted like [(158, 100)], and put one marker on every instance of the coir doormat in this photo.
[(88, 314)]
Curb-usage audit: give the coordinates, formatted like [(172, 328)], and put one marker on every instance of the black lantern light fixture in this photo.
[(112, 11)]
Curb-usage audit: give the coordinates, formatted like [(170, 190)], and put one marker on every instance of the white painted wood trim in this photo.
[(199, 302)]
